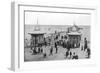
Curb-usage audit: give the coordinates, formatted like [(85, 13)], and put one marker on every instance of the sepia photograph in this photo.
[(56, 36)]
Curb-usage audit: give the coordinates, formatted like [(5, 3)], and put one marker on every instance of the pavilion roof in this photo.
[(37, 31), (74, 33)]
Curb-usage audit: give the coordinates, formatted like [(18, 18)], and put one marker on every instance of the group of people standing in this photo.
[(63, 44)]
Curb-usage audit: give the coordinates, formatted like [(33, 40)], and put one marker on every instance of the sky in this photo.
[(45, 18)]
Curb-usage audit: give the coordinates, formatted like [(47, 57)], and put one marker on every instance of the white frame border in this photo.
[(16, 63)]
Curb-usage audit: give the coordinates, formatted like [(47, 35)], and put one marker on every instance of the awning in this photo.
[(74, 33)]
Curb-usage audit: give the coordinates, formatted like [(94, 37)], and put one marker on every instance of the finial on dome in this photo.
[(37, 21), (37, 28), (74, 23)]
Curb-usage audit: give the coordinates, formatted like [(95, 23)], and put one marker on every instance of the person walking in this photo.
[(51, 51), (85, 44), (56, 47), (67, 53)]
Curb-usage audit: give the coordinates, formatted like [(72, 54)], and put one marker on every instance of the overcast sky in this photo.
[(56, 18)]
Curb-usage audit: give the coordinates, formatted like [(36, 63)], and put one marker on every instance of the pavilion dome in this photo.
[(74, 30), (37, 30)]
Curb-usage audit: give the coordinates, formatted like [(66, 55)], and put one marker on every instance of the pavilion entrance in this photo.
[(74, 36)]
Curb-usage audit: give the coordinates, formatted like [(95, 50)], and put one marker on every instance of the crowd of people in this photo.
[(53, 42)]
